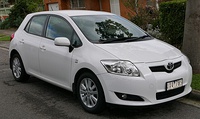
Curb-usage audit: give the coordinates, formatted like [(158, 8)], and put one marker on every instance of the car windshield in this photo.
[(109, 28)]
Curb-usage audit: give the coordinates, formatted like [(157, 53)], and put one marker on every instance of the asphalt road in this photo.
[(37, 99)]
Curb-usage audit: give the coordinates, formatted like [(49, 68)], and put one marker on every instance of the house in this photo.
[(115, 6)]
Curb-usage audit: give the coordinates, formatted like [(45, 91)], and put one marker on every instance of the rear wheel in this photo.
[(18, 70), (90, 93)]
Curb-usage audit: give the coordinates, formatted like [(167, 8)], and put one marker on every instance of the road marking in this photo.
[(190, 102), (5, 49)]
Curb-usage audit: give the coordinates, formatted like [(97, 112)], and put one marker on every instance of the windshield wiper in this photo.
[(137, 38), (110, 40), (125, 39)]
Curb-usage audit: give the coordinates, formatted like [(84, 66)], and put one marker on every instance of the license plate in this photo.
[(174, 84)]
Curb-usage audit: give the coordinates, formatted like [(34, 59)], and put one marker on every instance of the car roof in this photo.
[(74, 12)]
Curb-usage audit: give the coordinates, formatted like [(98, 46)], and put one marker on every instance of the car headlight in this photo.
[(121, 67)]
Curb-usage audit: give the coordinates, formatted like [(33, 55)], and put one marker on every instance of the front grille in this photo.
[(163, 69), (167, 94)]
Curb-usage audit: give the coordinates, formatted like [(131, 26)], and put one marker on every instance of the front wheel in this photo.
[(90, 93), (18, 70)]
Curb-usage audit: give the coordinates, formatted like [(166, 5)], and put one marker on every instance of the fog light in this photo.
[(124, 96), (129, 97)]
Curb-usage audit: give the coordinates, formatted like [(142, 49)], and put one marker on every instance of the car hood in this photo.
[(142, 51)]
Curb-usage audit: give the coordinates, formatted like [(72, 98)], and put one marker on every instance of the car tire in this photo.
[(90, 93), (18, 69)]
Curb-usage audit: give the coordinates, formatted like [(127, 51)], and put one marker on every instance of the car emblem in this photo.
[(169, 66)]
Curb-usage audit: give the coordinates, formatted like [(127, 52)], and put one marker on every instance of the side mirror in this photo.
[(62, 41)]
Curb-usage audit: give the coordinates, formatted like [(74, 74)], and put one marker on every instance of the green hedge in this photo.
[(19, 11), (172, 18)]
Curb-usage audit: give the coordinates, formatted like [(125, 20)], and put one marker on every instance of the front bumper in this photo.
[(147, 87)]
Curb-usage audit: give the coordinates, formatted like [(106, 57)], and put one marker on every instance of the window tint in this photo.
[(98, 28), (35, 26), (76, 42), (58, 27), (28, 26)]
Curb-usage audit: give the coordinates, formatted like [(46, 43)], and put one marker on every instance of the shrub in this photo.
[(172, 18), (145, 16), (5, 24), (19, 11)]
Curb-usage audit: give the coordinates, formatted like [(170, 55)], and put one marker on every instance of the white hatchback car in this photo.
[(101, 57)]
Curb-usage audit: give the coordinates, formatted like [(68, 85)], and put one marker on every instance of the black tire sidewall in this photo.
[(101, 99)]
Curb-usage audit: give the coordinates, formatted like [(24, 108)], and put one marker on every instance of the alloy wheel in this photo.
[(16, 66), (88, 92)]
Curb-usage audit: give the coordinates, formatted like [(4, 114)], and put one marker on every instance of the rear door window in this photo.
[(35, 25)]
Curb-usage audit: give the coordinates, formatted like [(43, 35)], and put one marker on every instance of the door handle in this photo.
[(42, 47), (21, 41)]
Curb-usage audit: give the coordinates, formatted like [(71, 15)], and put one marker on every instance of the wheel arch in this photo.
[(78, 74)]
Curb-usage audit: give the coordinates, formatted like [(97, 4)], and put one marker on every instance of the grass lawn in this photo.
[(4, 37), (196, 82)]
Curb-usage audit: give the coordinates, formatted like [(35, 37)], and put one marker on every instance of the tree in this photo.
[(191, 41), (142, 14), (19, 11)]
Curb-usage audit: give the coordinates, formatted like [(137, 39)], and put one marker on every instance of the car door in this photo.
[(55, 61), (30, 41)]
